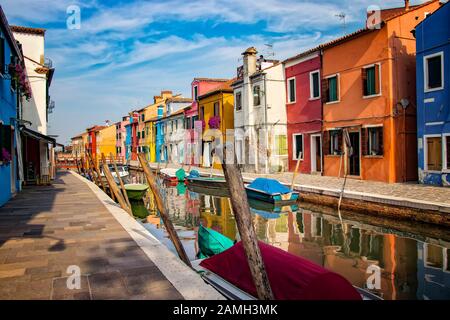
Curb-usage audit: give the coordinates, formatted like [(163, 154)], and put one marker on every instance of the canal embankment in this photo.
[(406, 201), (71, 228)]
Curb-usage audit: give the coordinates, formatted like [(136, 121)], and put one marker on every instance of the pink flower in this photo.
[(214, 122)]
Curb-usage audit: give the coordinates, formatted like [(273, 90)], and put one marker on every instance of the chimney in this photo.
[(249, 61), (406, 5), (107, 123)]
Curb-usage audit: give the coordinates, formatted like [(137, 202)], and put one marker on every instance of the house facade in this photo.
[(368, 91), (199, 86), (216, 110), (433, 98), (304, 112), (11, 170), (121, 133), (106, 142), (260, 119), (35, 111)]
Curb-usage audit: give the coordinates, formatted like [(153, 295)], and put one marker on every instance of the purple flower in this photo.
[(214, 122)]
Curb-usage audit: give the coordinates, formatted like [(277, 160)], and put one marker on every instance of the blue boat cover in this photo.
[(269, 186), (194, 174)]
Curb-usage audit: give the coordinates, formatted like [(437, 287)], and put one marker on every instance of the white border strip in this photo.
[(188, 283)]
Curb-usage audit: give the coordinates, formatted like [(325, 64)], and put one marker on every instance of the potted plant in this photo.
[(214, 122), (19, 75)]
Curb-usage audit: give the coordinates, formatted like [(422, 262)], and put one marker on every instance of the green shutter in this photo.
[(370, 82), (332, 89)]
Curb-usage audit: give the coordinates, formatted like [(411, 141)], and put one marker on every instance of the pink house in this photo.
[(304, 111), (120, 139), (199, 86)]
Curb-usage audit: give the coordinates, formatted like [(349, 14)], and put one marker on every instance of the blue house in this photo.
[(128, 139), (433, 98), (161, 148), (10, 150)]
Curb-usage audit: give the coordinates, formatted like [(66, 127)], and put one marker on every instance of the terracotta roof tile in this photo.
[(224, 87), (29, 30)]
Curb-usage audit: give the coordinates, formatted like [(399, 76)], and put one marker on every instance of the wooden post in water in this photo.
[(76, 161), (162, 210), (246, 229), (104, 164), (116, 191), (97, 170), (122, 186), (297, 166), (92, 169)]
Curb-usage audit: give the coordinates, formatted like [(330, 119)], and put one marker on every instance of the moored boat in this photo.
[(208, 182), (136, 191), (211, 242), (272, 191), (172, 174)]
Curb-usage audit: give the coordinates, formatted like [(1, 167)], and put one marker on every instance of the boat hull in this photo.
[(276, 199), (134, 193), (210, 183)]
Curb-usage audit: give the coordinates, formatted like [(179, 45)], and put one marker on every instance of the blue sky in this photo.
[(127, 51)]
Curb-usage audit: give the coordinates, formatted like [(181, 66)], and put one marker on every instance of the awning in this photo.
[(38, 136)]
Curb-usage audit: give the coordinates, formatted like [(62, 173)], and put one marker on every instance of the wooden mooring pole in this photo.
[(104, 164), (163, 211), (246, 229), (297, 166), (122, 186)]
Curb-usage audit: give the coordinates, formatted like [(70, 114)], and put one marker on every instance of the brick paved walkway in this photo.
[(411, 191), (43, 230)]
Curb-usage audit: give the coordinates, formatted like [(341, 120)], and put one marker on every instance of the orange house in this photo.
[(369, 105)]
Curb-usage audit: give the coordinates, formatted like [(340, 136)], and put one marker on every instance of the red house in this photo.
[(92, 140), (304, 111), (199, 86)]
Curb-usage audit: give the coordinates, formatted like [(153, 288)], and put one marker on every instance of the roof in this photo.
[(28, 30), (9, 36), (210, 79), (38, 136), (95, 128), (359, 32), (224, 87), (179, 99), (428, 16)]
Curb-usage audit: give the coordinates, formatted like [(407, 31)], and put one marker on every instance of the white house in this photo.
[(35, 112), (260, 119)]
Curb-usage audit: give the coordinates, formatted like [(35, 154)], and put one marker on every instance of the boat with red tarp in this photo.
[(291, 277)]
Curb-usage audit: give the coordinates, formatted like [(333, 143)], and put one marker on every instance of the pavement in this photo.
[(49, 235)]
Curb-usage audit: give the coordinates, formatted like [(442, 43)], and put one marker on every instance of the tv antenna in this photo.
[(269, 52), (341, 16)]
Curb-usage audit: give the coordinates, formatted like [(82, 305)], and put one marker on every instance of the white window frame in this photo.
[(294, 146), (311, 87), (338, 81), (425, 71), (445, 164), (289, 90), (253, 96), (368, 139), (425, 152), (235, 99), (380, 80)]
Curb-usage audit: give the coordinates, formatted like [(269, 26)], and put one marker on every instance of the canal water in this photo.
[(414, 259)]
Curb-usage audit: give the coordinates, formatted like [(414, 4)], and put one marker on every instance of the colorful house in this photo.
[(11, 172), (433, 98), (121, 133), (106, 142), (199, 86), (92, 140), (175, 134), (131, 140), (217, 113), (304, 112), (368, 90), (260, 114)]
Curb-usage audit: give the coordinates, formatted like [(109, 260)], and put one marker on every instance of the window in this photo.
[(297, 141), (202, 113), (194, 119), (434, 72), (371, 80), (281, 145), (332, 89), (434, 153), (291, 90), (314, 78), (188, 123), (195, 93), (256, 96), (238, 101), (216, 109), (143, 134), (336, 142), (2, 55), (5, 140), (139, 135), (447, 152), (375, 141)]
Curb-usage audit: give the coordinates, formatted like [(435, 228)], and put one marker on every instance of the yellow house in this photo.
[(216, 109), (106, 142)]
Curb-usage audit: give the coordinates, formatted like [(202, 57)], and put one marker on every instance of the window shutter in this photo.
[(326, 143), (377, 78), (365, 141), (325, 91), (380, 140), (364, 81)]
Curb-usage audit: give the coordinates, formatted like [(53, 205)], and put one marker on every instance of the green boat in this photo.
[(136, 191), (211, 242)]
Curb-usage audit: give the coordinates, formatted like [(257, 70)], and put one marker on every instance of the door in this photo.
[(354, 158), (316, 153)]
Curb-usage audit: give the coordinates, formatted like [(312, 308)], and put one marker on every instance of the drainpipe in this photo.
[(266, 169)]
